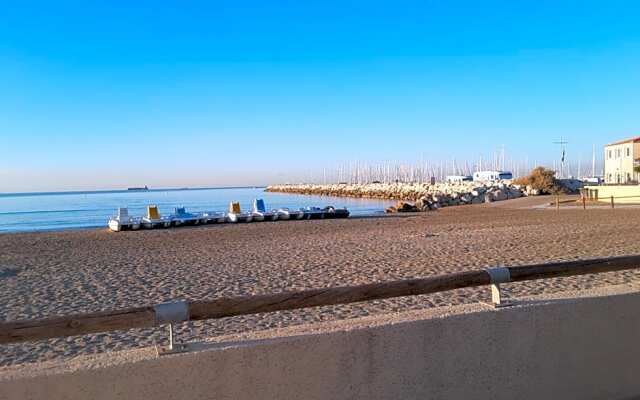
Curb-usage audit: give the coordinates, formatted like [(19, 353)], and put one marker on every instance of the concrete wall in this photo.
[(624, 194), (576, 348)]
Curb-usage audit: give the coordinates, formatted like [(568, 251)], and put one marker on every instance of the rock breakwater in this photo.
[(425, 196)]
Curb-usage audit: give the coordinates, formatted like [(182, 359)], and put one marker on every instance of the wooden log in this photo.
[(80, 324), (20, 331), (573, 268), (334, 295)]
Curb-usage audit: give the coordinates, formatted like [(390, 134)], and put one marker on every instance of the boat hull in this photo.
[(333, 213), (257, 217), (239, 218), (155, 223), (118, 226)]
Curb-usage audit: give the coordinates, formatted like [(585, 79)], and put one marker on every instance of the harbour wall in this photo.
[(429, 196), (570, 346)]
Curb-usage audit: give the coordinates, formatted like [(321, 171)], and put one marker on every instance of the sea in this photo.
[(24, 212)]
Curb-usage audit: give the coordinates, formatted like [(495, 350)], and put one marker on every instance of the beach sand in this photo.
[(58, 273)]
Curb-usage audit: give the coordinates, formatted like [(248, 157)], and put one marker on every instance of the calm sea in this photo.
[(55, 211)]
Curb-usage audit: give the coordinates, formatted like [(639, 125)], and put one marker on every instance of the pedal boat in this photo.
[(214, 217), (259, 212), (123, 222), (331, 212), (313, 213), (235, 215), (287, 214), (153, 219), (181, 217)]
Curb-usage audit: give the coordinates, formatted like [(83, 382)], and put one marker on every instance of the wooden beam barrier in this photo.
[(142, 317)]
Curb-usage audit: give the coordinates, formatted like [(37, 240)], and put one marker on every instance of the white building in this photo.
[(619, 160), (487, 176)]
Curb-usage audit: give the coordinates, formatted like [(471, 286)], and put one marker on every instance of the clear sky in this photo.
[(106, 94)]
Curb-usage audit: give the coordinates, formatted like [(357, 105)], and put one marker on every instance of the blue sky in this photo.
[(107, 95)]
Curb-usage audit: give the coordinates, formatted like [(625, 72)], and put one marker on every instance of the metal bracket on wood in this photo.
[(498, 275), (171, 313)]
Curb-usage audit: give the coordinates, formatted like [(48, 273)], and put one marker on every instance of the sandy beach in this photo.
[(58, 273)]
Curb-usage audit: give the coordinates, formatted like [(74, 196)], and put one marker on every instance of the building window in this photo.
[(628, 152), (609, 154)]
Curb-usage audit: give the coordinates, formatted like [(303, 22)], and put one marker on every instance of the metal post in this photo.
[(612, 201), (498, 275), (170, 337), (171, 313), (584, 202)]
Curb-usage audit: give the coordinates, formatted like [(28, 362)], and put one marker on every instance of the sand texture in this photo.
[(57, 273)]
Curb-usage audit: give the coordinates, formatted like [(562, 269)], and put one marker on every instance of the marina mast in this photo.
[(563, 147)]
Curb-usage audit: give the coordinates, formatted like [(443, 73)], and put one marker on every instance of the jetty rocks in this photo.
[(414, 196)]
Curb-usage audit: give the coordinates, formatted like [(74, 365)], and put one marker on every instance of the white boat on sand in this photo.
[(123, 222), (236, 215), (288, 214), (153, 219), (259, 210)]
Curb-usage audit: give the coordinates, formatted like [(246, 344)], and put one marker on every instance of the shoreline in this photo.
[(380, 214)]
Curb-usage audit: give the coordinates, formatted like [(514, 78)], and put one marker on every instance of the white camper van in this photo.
[(487, 176), (459, 178)]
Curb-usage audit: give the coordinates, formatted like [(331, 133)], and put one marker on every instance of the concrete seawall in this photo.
[(571, 346)]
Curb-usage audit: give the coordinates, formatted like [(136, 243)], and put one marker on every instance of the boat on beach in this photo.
[(122, 221), (331, 212), (153, 219), (312, 213), (288, 214), (236, 215), (181, 217), (259, 210), (214, 217)]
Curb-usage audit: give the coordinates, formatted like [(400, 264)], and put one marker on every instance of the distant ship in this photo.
[(139, 188)]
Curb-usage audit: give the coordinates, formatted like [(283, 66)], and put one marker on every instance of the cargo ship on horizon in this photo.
[(138, 189)]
